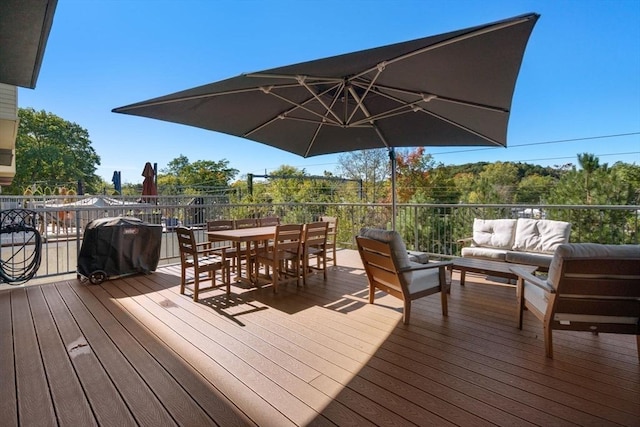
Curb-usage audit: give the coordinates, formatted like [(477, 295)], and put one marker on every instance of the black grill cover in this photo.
[(119, 246)]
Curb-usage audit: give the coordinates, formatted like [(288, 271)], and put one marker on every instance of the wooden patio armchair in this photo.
[(283, 256), (590, 287), (202, 260), (386, 262)]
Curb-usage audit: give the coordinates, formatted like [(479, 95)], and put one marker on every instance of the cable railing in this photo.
[(432, 228)]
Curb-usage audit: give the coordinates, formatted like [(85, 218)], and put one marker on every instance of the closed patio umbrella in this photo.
[(148, 184), (453, 89)]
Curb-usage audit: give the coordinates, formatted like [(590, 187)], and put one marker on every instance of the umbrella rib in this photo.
[(465, 128), (479, 32), (296, 105), (360, 101), (389, 113), (430, 96), (409, 108), (316, 80), (301, 81), (194, 97), (372, 121)]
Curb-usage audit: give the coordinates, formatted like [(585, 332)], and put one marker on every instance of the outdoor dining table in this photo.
[(247, 236)]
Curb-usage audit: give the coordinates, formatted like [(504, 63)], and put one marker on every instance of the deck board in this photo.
[(72, 406), (106, 402), (8, 400), (182, 408), (35, 406), (133, 351)]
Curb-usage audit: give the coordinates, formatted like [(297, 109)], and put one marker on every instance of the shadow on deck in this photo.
[(132, 351)]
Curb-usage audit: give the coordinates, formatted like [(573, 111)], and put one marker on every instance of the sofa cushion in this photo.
[(394, 239), (491, 254), (587, 250), (540, 235), (530, 258), (494, 233)]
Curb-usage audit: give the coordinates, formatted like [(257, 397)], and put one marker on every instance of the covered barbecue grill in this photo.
[(119, 246)]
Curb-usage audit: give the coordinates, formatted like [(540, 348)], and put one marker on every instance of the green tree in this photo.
[(443, 187), (589, 164), (413, 175), (534, 188), (499, 181), (287, 185), (465, 183), (200, 177), (51, 151), (372, 167), (604, 186)]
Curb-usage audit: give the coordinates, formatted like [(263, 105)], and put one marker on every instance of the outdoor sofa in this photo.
[(522, 241)]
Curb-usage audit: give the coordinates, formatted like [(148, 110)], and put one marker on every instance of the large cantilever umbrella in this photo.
[(453, 89)]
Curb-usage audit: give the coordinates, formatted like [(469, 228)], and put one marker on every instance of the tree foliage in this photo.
[(370, 166), (53, 152), (200, 177)]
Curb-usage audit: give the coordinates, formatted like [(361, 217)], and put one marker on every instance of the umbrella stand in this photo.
[(392, 158)]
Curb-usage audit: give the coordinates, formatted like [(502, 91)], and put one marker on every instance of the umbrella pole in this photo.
[(392, 158)]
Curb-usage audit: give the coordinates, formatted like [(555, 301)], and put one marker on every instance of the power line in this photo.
[(528, 144), (573, 157), (558, 141)]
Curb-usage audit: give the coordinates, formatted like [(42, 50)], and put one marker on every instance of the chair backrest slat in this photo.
[(268, 221), (315, 234), (288, 237), (379, 264), (246, 223), (186, 242)]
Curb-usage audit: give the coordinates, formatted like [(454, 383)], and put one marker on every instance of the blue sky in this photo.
[(579, 82)]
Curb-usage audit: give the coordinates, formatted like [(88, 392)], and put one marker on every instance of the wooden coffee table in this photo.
[(490, 268)]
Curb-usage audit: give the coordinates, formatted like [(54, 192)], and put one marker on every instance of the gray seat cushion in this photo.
[(486, 253), (530, 258)]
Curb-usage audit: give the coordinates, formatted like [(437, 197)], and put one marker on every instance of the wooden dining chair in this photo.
[(245, 223), (332, 235), (241, 247), (231, 251), (314, 245), (268, 220), (283, 257), (201, 259)]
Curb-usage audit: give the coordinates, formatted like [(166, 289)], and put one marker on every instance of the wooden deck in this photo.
[(133, 351)]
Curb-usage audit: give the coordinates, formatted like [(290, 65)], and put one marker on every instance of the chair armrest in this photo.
[(534, 280), (425, 266), (205, 245), (466, 241), (205, 248), (221, 249)]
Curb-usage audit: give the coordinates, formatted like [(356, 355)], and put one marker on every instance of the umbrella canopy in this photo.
[(453, 89), (149, 185)]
